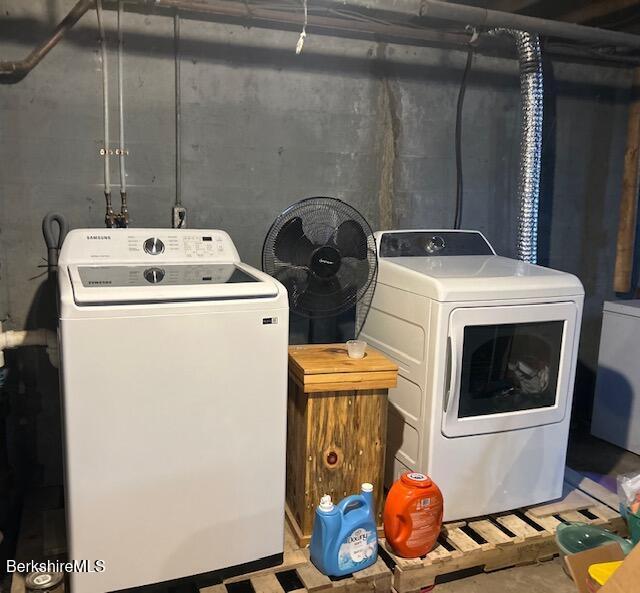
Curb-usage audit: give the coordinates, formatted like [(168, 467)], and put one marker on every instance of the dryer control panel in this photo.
[(150, 245), (433, 243)]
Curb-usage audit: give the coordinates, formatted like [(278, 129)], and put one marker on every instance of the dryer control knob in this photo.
[(434, 245), (154, 275), (153, 246)]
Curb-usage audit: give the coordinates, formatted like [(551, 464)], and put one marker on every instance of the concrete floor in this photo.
[(547, 577), (588, 454)]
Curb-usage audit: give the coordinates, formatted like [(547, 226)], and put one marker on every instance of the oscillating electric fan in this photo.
[(324, 253)]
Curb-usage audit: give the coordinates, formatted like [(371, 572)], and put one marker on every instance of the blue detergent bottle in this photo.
[(345, 537)]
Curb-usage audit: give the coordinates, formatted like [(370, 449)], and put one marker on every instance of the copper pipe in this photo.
[(17, 70)]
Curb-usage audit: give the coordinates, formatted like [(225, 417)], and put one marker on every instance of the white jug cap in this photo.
[(366, 487), (325, 504)]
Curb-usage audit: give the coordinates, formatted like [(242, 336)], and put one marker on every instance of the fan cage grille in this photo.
[(298, 233)]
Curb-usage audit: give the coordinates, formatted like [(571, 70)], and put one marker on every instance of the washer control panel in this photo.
[(168, 275), (155, 246), (203, 246), (192, 246)]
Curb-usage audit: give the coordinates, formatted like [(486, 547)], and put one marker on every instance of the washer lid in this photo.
[(120, 284), (623, 307)]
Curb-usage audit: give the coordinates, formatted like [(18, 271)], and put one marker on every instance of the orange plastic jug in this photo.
[(413, 515)]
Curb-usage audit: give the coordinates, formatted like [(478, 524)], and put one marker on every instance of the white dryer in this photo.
[(487, 350), (174, 379)]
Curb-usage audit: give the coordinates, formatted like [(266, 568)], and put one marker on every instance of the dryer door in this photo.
[(509, 367)]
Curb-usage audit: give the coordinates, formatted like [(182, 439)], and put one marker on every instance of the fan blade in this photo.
[(351, 240), (292, 245), (296, 281), (324, 297), (355, 273)]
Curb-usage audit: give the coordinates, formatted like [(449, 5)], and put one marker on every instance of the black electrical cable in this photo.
[(458, 140)]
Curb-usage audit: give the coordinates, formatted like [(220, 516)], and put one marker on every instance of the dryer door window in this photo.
[(508, 367)]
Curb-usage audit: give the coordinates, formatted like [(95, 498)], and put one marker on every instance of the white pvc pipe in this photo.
[(31, 337), (105, 97), (123, 174)]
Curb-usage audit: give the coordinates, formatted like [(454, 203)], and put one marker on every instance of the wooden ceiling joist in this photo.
[(512, 5), (597, 9)]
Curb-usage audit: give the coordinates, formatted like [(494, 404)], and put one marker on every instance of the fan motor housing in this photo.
[(325, 261)]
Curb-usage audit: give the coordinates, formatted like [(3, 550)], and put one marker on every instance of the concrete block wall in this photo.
[(263, 128)]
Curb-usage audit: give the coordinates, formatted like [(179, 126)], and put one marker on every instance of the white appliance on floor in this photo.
[(487, 349), (616, 406), (174, 358)]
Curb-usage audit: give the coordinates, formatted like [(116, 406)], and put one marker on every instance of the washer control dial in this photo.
[(154, 275), (153, 246)]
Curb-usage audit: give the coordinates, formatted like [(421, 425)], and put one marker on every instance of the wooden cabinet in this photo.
[(336, 431)]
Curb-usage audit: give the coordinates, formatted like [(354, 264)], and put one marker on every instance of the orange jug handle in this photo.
[(404, 527)]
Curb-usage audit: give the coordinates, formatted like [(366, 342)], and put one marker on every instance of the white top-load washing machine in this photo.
[(487, 349), (616, 403), (174, 371)]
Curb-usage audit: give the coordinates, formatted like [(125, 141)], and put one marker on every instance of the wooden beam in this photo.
[(629, 199), (597, 9)]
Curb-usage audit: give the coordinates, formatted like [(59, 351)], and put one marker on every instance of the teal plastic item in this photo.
[(633, 521), (578, 537), (344, 538)]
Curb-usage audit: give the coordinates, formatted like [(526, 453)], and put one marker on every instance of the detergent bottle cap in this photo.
[(416, 479), (366, 487), (325, 504)]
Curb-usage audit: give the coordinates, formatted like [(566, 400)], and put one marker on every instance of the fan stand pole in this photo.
[(312, 331)]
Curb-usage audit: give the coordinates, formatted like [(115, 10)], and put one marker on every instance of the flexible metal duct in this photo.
[(531, 94)]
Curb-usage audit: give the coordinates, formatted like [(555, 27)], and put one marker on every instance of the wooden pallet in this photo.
[(42, 538), (297, 575), (306, 577), (505, 540)]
